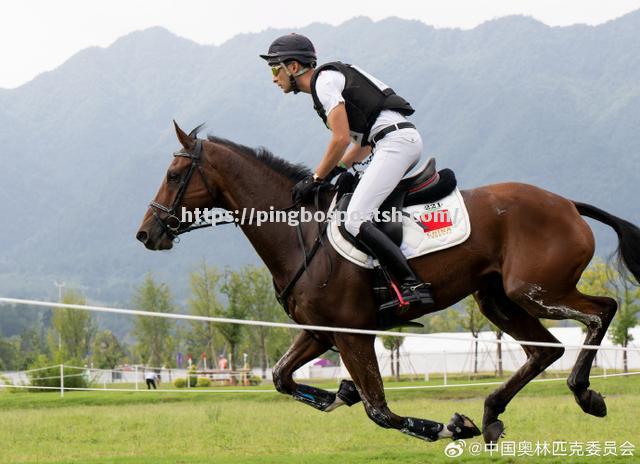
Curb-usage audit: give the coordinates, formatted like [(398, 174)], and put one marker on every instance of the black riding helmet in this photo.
[(291, 47)]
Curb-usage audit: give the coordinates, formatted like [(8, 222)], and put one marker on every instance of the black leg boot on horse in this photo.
[(410, 290)]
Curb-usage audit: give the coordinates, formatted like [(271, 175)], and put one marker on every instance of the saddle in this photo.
[(426, 185)]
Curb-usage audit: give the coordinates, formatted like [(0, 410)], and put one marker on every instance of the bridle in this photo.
[(171, 224), (173, 227)]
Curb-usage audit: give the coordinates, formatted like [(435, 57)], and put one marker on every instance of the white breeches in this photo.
[(393, 157)]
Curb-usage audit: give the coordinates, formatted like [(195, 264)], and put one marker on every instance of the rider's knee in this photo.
[(356, 215), (352, 225)]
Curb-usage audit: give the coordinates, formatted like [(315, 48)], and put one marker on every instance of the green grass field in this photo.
[(174, 427)]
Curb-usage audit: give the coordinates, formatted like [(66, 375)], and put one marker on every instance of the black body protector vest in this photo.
[(363, 99)]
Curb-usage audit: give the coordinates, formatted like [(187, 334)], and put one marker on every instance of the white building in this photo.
[(454, 353)]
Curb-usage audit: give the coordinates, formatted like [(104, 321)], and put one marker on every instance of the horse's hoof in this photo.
[(493, 432), (592, 403), (462, 427)]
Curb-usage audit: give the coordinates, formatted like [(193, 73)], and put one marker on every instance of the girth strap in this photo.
[(308, 256)]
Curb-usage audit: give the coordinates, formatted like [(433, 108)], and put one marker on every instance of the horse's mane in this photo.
[(295, 172)]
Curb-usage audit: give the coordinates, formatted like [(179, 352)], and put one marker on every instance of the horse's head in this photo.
[(183, 189)]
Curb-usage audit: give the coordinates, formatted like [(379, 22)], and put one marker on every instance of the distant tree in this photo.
[(31, 344), (9, 358), (393, 344), (444, 321), (628, 298), (204, 302), (154, 334), (597, 279), (603, 280), (107, 350), (280, 339), (233, 288), (72, 329), (499, 334), (473, 321), (258, 299)]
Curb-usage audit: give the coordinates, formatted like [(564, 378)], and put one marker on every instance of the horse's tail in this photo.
[(628, 236)]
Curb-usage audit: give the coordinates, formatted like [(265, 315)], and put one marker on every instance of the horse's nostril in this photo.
[(142, 236)]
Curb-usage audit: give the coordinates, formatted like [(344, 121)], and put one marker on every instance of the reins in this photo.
[(307, 257), (173, 227), (283, 296)]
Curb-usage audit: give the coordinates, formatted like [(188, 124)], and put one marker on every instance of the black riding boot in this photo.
[(411, 288)]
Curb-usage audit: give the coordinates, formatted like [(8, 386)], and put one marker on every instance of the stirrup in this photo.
[(413, 288), (409, 294)]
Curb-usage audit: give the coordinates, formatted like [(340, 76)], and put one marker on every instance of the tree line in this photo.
[(71, 335)]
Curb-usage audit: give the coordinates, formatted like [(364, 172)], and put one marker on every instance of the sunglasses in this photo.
[(275, 70)]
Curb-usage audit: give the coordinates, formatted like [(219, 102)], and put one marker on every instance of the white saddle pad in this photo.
[(426, 228)]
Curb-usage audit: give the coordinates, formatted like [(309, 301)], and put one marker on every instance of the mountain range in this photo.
[(83, 147)]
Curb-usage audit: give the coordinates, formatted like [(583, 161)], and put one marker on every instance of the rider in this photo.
[(356, 106)]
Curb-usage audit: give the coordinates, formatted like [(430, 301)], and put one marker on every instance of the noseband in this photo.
[(171, 224)]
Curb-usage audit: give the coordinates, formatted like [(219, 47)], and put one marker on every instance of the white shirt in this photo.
[(329, 87)]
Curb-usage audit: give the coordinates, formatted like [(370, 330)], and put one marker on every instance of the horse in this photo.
[(522, 261)]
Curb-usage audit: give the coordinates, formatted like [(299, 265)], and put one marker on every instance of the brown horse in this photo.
[(527, 250)]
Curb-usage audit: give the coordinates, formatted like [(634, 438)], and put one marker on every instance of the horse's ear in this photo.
[(187, 141), (195, 130)]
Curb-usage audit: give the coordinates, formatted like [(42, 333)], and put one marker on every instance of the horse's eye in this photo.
[(173, 177)]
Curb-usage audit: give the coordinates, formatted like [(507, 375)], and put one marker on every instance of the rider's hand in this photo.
[(304, 190), (335, 172)]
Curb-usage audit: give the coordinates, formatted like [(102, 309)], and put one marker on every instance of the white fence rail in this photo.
[(421, 355), (318, 328), (20, 381)]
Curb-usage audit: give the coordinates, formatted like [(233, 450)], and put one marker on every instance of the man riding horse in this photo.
[(356, 107), (522, 263)]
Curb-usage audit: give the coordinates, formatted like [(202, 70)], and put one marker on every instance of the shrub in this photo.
[(50, 377), (255, 380), (8, 381), (180, 382), (203, 382), (193, 376)]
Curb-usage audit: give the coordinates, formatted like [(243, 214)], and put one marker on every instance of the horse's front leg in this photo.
[(305, 348), (359, 356)]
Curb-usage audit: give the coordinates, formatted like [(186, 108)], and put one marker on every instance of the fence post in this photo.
[(135, 373), (61, 380), (444, 353)]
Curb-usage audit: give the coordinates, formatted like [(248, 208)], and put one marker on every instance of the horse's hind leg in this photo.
[(515, 321), (305, 348), (359, 356), (604, 308), (596, 313)]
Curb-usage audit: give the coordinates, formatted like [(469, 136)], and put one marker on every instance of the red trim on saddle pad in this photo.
[(429, 181)]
